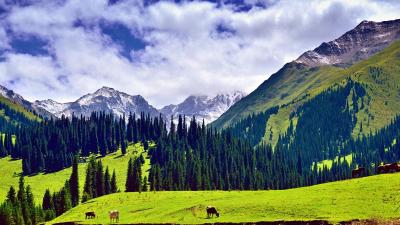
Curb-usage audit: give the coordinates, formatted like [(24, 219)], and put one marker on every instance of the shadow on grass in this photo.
[(118, 156)]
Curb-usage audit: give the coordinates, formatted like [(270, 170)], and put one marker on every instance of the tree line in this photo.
[(50, 145)]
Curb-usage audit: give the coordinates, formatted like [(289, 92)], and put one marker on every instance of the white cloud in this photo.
[(185, 56)]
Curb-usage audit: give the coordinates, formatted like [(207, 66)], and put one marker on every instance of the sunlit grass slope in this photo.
[(363, 198), (10, 170), (17, 108)]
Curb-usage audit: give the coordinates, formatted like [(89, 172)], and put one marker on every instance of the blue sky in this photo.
[(164, 50)]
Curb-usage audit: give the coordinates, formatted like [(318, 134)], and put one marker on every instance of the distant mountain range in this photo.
[(119, 103)]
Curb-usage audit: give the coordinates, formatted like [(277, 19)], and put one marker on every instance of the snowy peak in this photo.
[(203, 107), (365, 40), (52, 106), (104, 99)]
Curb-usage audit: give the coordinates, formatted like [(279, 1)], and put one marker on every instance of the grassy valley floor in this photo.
[(375, 197)]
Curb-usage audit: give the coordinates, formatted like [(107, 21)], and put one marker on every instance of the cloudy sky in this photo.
[(164, 50)]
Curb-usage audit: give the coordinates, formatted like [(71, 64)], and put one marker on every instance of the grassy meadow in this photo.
[(10, 170), (374, 197)]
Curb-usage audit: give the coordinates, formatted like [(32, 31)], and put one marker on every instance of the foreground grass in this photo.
[(364, 198), (10, 170)]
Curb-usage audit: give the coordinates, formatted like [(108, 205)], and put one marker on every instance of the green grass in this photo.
[(375, 197), (10, 170)]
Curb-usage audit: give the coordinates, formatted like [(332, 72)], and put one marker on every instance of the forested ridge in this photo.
[(10, 119)]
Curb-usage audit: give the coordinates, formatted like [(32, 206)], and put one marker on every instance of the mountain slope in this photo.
[(203, 107), (17, 103), (297, 82)]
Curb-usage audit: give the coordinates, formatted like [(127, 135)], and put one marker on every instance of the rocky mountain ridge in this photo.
[(363, 41)]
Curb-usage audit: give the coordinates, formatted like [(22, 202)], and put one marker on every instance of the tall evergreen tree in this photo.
[(74, 183), (107, 182), (114, 188)]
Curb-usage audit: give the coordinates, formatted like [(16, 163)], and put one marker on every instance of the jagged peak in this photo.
[(366, 39)]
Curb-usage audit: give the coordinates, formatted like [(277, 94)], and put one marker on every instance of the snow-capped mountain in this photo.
[(203, 107), (119, 103), (359, 43), (105, 99), (52, 106)]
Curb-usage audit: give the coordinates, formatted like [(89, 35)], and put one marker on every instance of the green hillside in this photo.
[(294, 84), (365, 198), (16, 107), (10, 170)]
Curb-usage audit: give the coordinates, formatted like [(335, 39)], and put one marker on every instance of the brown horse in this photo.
[(388, 168), (114, 216), (394, 167), (358, 172), (383, 169)]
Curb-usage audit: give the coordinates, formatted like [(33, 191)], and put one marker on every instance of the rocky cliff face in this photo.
[(360, 43)]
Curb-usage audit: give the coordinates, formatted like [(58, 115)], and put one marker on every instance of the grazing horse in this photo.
[(388, 168), (114, 216), (211, 210), (383, 168), (358, 172), (394, 167), (90, 215)]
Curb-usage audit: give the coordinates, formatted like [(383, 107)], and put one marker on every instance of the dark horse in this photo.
[(211, 210), (90, 215), (383, 168), (358, 172), (388, 168)]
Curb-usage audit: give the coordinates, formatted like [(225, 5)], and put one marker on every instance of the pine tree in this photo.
[(87, 189), (47, 201), (11, 196), (137, 176), (21, 195), (123, 146), (99, 179), (74, 183), (134, 176), (107, 182), (114, 188), (30, 203), (128, 183)]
